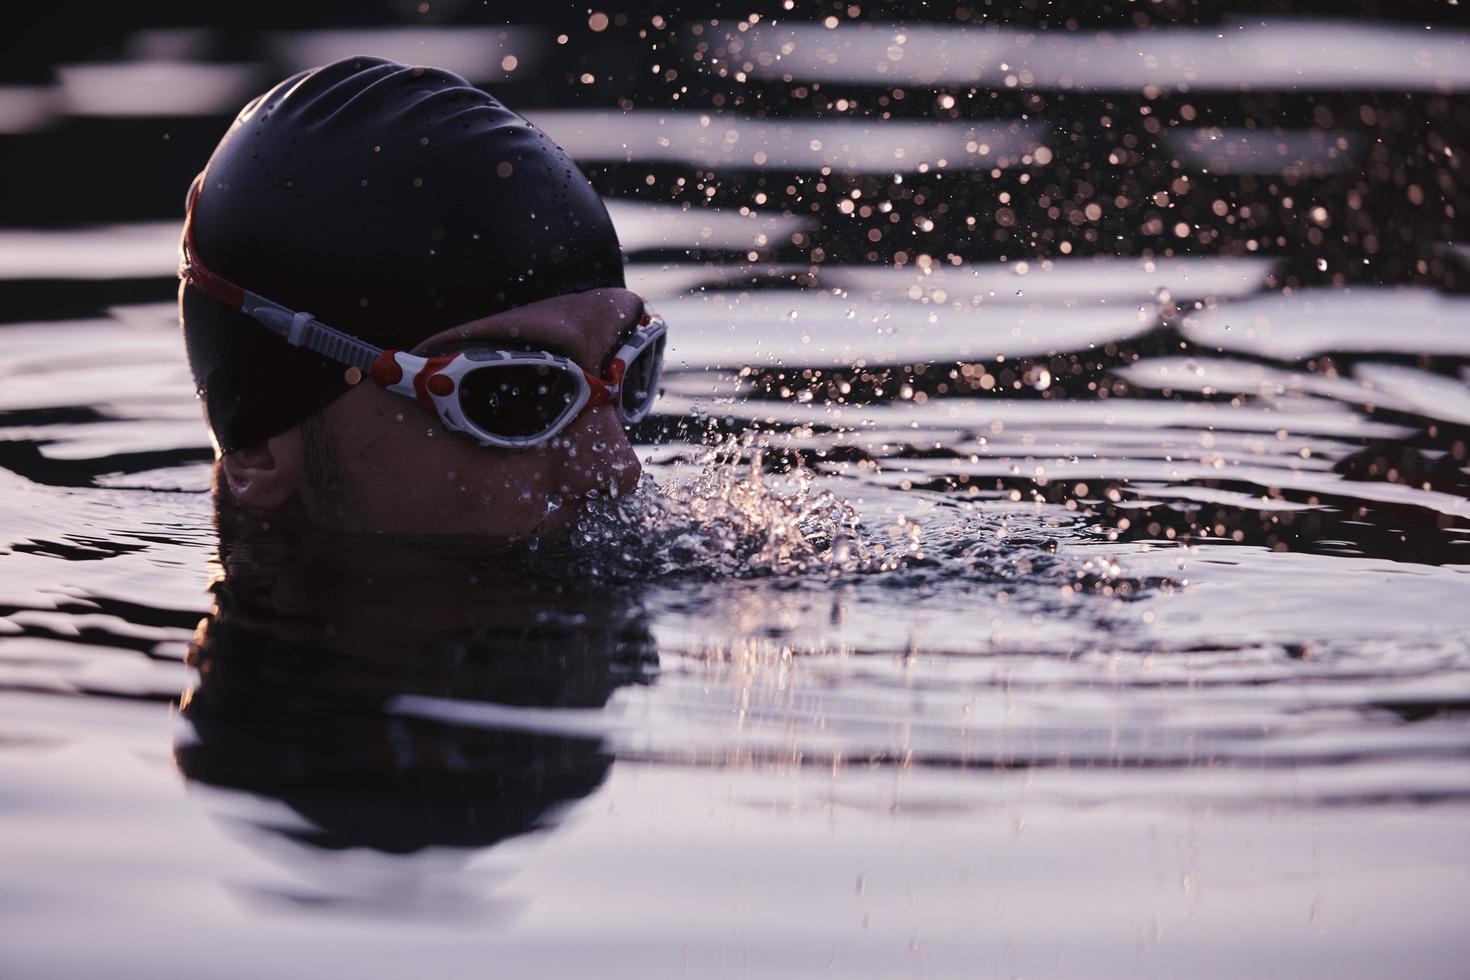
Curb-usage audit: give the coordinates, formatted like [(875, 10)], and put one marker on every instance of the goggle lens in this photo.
[(640, 381), (517, 400)]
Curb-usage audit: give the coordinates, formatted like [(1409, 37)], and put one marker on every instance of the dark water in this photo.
[(1001, 609)]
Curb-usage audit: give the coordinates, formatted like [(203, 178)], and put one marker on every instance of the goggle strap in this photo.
[(339, 346), (304, 330), (298, 329), (191, 270)]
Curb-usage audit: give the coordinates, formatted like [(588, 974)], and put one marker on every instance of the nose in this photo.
[(595, 454)]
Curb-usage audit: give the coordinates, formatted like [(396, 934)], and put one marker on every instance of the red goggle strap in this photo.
[(192, 270), (297, 328)]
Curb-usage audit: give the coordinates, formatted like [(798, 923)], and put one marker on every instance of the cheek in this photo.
[(406, 473), (384, 441)]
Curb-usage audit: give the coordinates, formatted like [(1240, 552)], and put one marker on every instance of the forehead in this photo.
[(583, 326)]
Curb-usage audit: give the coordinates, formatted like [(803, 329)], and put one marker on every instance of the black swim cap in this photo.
[(391, 203)]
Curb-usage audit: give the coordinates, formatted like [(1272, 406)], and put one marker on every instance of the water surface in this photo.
[(1090, 614)]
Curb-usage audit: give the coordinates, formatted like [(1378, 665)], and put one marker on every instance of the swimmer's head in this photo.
[(407, 208)]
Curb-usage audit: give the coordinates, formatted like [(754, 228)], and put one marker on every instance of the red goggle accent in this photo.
[(605, 390), (386, 369)]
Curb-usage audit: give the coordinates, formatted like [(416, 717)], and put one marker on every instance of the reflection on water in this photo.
[(1021, 585), (307, 647)]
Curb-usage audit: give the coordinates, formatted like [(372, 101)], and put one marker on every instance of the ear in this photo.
[(267, 475)]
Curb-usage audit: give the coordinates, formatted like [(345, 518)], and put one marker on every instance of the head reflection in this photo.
[(314, 643)]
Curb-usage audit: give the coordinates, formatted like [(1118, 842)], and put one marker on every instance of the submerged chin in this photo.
[(526, 514), (553, 518)]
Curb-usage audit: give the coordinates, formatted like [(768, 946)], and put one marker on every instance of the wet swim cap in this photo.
[(390, 202)]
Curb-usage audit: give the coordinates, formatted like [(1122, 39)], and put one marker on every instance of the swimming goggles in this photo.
[(513, 399)]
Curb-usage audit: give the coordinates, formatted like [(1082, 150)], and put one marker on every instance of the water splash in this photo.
[(734, 519)]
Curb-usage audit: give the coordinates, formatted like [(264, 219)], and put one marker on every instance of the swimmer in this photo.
[(405, 312)]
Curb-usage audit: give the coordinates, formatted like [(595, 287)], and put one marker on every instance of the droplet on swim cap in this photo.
[(390, 202)]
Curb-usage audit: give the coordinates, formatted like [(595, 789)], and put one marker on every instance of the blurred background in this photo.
[(1318, 132)]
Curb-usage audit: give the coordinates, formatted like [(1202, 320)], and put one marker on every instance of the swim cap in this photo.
[(391, 203)]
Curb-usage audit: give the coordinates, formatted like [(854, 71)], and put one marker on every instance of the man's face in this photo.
[(382, 462)]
